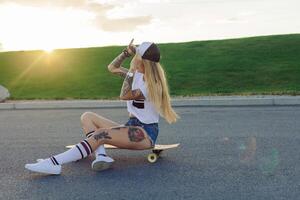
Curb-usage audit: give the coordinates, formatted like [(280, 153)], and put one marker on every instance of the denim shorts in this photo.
[(151, 129)]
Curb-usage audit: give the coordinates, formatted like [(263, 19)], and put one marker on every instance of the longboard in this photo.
[(152, 157)]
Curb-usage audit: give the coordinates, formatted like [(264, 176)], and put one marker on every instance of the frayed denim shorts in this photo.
[(151, 129)]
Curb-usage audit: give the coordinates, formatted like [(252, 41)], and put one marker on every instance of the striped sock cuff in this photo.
[(89, 134), (84, 148), (90, 148)]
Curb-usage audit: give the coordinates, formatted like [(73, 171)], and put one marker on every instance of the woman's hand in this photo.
[(115, 66), (130, 49)]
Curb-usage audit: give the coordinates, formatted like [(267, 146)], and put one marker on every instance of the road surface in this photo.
[(225, 153)]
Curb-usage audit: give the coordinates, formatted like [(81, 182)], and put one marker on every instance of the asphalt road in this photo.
[(225, 153)]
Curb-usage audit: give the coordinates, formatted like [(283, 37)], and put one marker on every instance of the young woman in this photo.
[(146, 91)]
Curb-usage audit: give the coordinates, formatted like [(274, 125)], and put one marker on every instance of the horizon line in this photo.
[(179, 42)]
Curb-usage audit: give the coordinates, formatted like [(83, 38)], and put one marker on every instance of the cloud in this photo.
[(246, 13), (56, 3), (232, 20), (124, 24), (99, 9), (79, 4), (240, 18)]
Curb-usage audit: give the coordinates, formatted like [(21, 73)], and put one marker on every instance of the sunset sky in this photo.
[(50, 24)]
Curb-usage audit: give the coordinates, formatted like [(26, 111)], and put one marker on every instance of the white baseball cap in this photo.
[(149, 51)]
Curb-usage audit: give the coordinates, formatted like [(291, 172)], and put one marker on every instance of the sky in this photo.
[(52, 24)]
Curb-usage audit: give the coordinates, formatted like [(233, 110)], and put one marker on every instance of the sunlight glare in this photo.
[(48, 50), (44, 28)]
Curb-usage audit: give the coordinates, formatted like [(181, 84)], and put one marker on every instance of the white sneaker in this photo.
[(39, 160), (102, 162), (44, 166)]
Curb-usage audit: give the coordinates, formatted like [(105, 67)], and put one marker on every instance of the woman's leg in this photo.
[(126, 137), (90, 122), (131, 137)]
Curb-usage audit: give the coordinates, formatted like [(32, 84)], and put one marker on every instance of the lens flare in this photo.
[(268, 164)]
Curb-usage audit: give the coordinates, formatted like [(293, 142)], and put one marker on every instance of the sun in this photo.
[(48, 50), (45, 28)]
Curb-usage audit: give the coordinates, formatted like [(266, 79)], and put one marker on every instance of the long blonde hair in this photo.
[(157, 88)]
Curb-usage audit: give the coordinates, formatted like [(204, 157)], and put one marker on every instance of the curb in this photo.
[(176, 102)]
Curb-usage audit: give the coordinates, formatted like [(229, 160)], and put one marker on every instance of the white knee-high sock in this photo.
[(100, 150), (79, 151)]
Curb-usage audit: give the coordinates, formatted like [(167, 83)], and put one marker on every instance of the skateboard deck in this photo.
[(152, 157)]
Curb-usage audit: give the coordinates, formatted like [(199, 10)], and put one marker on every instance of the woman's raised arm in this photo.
[(116, 65)]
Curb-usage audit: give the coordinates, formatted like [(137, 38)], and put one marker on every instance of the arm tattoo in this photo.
[(138, 94), (101, 135), (122, 72), (127, 85), (135, 134), (116, 64)]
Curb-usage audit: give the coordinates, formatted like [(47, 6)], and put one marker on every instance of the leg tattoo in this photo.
[(135, 134), (101, 135)]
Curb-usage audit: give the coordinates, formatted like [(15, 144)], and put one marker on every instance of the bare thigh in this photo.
[(126, 137), (91, 121)]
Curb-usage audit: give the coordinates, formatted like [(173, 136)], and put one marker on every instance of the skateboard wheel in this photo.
[(152, 157)]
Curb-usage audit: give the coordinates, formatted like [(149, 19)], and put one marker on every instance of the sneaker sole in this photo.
[(101, 165), (43, 171)]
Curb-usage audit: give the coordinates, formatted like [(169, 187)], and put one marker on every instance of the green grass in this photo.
[(256, 65)]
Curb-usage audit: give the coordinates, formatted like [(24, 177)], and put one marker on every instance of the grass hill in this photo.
[(255, 65)]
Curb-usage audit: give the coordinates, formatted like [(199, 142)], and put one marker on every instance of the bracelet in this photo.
[(130, 74)]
